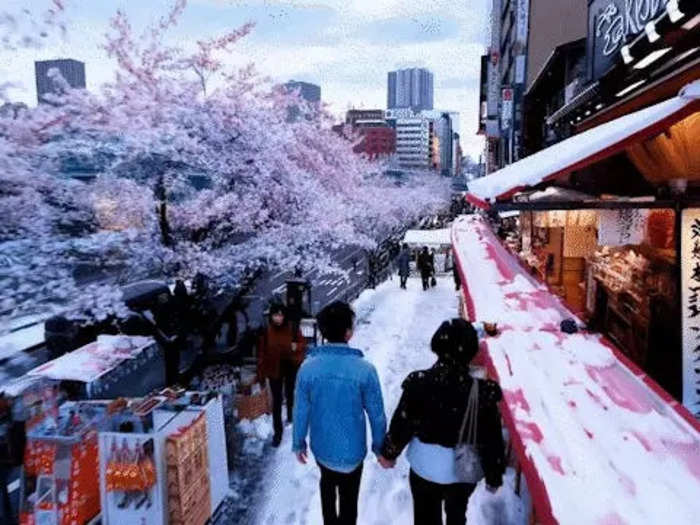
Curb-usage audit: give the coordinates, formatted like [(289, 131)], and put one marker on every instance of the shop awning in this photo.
[(597, 439), (428, 237), (585, 149)]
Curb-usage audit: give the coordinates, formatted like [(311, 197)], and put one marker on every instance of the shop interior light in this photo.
[(674, 12), (588, 112), (652, 34), (599, 106), (652, 57), (690, 24), (626, 55), (629, 88)]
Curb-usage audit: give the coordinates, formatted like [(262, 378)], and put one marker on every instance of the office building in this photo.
[(523, 34), (410, 88)]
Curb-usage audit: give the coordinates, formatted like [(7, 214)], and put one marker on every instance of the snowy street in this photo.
[(393, 328)]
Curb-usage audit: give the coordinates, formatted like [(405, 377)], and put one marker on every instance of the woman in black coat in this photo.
[(428, 420)]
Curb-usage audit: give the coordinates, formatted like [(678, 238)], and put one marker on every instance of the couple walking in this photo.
[(336, 386), (425, 264)]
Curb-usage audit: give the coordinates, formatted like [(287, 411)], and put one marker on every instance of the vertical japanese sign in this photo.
[(522, 22), (690, 296), (506, 108)]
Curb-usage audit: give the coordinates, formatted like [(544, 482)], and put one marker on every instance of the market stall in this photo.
[(438, 241), (61, 465), (109, 367), (597, 440), (163, 461), (609, 221)]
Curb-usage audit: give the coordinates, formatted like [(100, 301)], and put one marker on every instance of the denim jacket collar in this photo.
[(336, 349)]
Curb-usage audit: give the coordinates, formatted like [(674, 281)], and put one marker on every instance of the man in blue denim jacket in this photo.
[(335, 387)]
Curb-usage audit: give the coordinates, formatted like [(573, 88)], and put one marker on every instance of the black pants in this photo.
[(425, 277), (172, 362), (404, 279), (428, 499), (283, 386), (339, 486), (5, 504)]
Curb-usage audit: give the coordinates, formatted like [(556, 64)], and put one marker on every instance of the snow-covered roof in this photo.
[(428, 237), (21, 339), (585, 148), (599, 441), (88, 363)]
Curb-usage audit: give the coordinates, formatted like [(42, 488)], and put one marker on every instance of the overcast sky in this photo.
[(345, 46)]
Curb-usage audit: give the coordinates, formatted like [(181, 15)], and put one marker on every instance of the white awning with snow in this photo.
[(585, 148), (428, 237)]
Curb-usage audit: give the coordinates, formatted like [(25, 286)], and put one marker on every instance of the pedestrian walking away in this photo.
[(336, 387), (430, 419), (456, 277), (281, 350), (425, 266), (404, 264)]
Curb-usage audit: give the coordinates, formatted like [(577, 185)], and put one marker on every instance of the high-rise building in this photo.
[(425, 139), (71, 70), (410, 88), (523, 34)]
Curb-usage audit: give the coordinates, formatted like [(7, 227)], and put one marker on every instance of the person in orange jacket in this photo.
[(281, 350)]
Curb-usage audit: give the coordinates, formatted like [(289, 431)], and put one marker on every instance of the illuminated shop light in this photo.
[(651, 58), (674, 12), (626, 55), (599, 106), (690, 24), (652, 34), (630, 88)]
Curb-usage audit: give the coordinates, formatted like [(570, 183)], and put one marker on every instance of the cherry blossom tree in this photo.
[(199, 172)]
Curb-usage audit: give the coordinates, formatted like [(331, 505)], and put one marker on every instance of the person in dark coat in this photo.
[(13, 439), (281, 350), (404, 264), (426, 267), (428, 420), (456, 276)]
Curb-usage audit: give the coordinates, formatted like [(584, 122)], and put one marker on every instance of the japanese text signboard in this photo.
[(612, 23), (690, 294)]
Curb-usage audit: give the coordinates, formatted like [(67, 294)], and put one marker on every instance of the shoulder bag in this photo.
[(467, 459)]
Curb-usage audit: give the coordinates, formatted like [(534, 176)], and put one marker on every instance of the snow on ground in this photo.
[(393, 328)]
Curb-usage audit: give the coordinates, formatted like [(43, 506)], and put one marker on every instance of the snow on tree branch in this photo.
[(186, 180)]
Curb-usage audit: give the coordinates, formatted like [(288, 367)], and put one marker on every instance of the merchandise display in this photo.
[(253, 398), (189, 499), (163, 459), (60, 467)]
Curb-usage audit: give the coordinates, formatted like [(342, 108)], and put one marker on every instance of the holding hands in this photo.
[(386, 463)]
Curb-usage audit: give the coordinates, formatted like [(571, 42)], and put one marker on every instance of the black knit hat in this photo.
[(455, 340)]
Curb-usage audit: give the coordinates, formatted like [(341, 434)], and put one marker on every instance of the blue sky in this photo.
[(345, 46)]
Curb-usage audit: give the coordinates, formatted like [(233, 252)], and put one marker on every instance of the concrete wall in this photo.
[(552, 23)]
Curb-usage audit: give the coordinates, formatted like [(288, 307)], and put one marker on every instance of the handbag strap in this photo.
[(470, 415)]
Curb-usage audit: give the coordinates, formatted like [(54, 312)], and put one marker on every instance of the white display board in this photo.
[(218, 460), (690, 296), (151, 513)]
